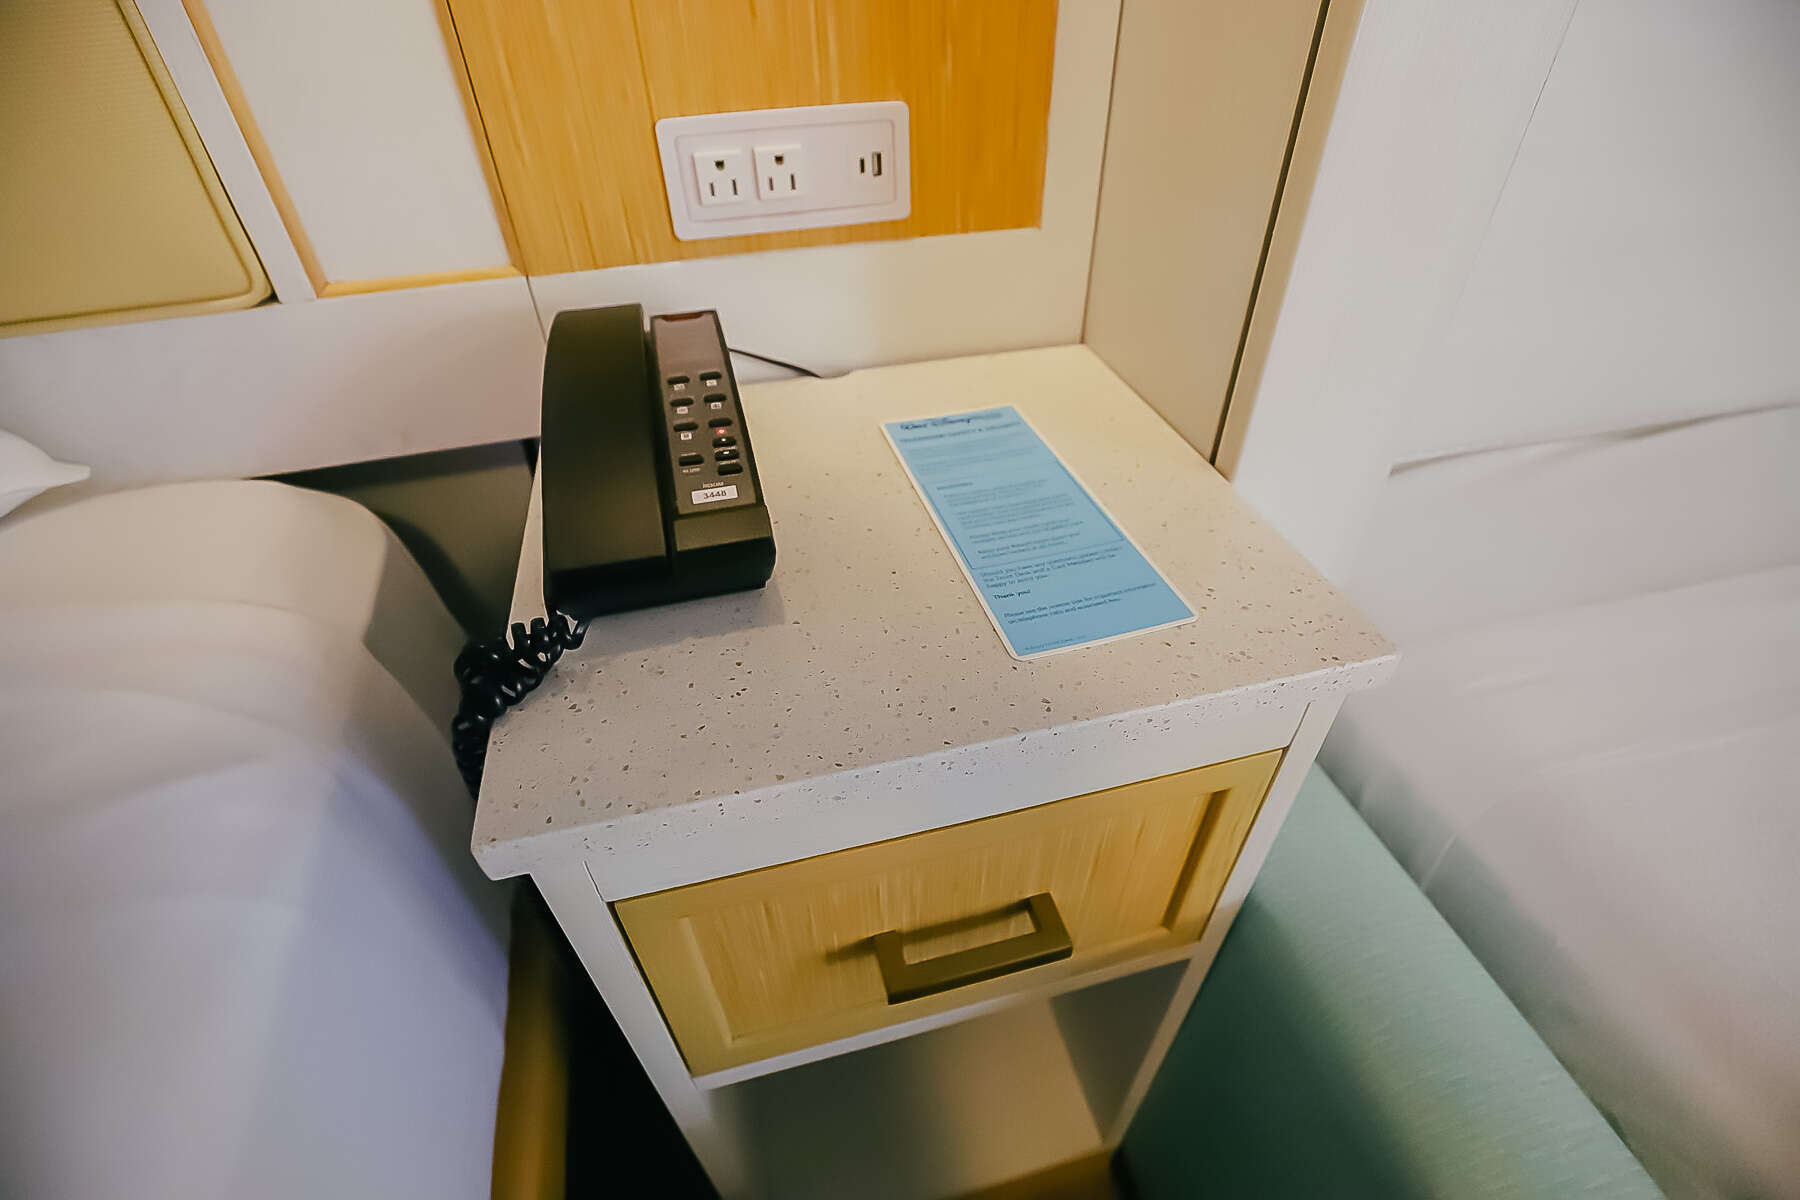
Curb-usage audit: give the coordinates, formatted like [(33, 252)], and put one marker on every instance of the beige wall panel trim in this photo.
[(477, 128), (775, 960), (256, 286), (1318, 104), (1204, 98), (358, 287), (253, 138), (207, 106), (109, 207), (159, 312), (570, 92)]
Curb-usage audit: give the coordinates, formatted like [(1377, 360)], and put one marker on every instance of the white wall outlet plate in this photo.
[(786, 168)]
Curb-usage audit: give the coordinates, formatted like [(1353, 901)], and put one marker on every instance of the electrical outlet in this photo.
[(729, 174), (780, 172), (722, 176)]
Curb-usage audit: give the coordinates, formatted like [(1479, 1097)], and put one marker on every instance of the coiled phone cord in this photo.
[(498, 673)]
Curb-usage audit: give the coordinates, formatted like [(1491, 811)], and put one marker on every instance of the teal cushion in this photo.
[(1346, 1043)]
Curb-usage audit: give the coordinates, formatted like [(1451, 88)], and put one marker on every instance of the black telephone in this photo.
[(650, 495), (650, 490)]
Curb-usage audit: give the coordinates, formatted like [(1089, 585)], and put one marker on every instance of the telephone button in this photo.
[(716, 399), (730, 468), (724, 439), (685, 425), (678, 382), (691, 460), (717, 422), (710, 378), (724, 455), (680, 405)]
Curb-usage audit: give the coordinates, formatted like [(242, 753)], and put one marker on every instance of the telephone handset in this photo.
[(650, 494), (650, 490)]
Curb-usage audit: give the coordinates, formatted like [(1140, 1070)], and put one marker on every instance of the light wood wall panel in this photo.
[(569, 92)]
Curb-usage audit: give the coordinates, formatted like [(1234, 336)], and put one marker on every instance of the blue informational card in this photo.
[(1052, 569)]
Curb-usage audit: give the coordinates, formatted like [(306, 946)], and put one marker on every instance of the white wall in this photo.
[(1643, 263), (280, 387)]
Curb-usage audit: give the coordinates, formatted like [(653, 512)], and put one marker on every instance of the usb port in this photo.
[(876, 171)]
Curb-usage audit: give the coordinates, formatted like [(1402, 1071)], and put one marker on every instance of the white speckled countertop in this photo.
[(866, 670)]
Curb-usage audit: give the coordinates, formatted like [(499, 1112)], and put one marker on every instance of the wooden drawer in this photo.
[(779, 959)]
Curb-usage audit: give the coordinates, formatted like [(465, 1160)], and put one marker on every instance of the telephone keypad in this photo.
[(692, 363)]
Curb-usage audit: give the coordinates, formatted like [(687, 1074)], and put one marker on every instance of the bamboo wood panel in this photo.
[(780, 959), (569, 92)]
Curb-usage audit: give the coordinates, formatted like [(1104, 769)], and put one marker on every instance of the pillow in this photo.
[(25, 471)]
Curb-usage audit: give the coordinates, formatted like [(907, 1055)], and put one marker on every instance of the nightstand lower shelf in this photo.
[(958, 1109)]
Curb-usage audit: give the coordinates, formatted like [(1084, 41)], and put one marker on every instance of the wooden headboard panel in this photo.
[(569, 92)]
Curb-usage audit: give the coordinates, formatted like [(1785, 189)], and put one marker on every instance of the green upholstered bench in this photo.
[(1347, 1044)]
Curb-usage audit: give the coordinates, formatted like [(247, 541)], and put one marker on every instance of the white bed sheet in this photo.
[(1464, 541), (243, 948), (1602, 797), (248, 542)]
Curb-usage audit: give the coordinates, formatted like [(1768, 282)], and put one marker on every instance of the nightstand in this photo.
[(883, 910)]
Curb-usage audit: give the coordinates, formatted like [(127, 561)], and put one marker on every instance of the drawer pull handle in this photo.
[(1047, 942)]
